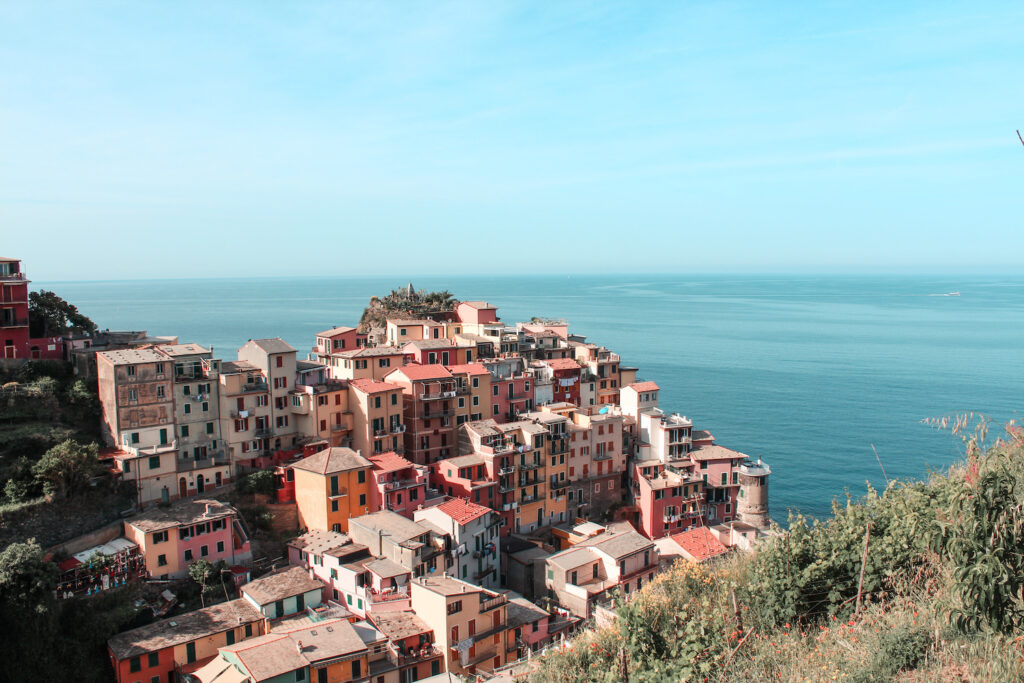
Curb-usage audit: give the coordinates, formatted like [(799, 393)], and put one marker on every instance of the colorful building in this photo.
[(430, 398), (474, 532), (167, 649), (400, 485), (14, 333), (171, 538), (378, 416), (331, 487)]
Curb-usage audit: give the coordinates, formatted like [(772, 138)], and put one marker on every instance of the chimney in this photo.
[(208, 512), (298, 646)]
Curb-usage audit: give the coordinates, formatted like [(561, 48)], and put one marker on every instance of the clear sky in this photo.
[(191, 139)]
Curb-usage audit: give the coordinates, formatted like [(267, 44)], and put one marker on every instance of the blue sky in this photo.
[(193, 139)]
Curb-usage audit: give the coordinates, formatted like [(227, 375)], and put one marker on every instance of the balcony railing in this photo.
[(215, 460), (530, 465), (339, 427), (263, 432), (432, 396), (402, 484), (490, 603), (12, 276), (254, 386), (397, 429), (13, 322), (506, 470)]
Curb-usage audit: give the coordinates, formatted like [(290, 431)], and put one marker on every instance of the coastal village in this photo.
[(458, 493)]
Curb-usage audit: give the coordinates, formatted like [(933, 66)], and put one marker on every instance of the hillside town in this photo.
[(458, 493)]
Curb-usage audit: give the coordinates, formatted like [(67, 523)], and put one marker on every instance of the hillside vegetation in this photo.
[(943, 594), (404, 303)]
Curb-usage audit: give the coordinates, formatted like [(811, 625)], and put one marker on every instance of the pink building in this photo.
[(468, 476), (511, 395), (567, 374), (670, 499), (400, 485), (476, 312)]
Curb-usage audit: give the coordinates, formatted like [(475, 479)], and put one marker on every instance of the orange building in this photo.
[(332, 486)]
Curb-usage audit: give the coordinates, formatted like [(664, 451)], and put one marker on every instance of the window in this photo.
[(220, 546), (160, 537), (135, 663), (206, 407), (161, 561), (133, 395), (188, 407), (361, 476), (280, 361), (160, 391), (131, 373), (394, 399), (300, 674), (248, 630), (188, 555), (595, 571), (184, 430), (362, 499), (376, 401), (135, 437), (725, 478), (735, 478), (154, 462), (454, 608), (204, 550), (357, 669), (230, 637), (334, 506), (476, 382), (209, 428)]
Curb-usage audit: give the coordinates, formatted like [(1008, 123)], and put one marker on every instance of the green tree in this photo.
[(50, 315), (67, 468), (202, 572), (29, 612)]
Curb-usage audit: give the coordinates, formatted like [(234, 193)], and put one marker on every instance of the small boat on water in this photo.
[(953, 294)]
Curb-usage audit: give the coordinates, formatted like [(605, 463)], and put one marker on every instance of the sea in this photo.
[(813, 374)]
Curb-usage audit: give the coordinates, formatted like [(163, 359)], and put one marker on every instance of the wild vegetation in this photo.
[(405, 302), (942, 596), (50, 315)]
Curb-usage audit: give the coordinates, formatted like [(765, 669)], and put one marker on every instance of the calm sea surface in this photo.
[(807, 372)]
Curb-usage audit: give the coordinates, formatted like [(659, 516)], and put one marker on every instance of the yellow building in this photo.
[(330, 487)]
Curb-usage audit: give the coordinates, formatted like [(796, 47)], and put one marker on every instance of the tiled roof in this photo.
[(131, 356), (341, 329), (397, 527), (183, 628), (182, 513), (432, 343), (522, 611), (479, 305), (467, 369), (384, 568), (643, 386), (320, 542), (275, 345), (716, 453), (389, 462), (283, 584), (462, 511), (562, 364), (449, 585), (618, 545), (369, 351), (330, 460), (276, 654), (421, 372), (702, 435), (399, 625), (371, 386), (699, 543)]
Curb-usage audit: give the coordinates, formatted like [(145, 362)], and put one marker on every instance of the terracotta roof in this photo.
[(618, 545), (130, 356), (399, 625), (562, 364), (416, 372), (182, 513), (283, 584), (389, 462), (522, 611), (183, 628), (369, 351), (330, 460), (384, 568), (716, 453), (335, 330), (480, 305), (699, 543), (449, 585), (431, 343), (702, 435), (320, 542), (643, 386), (372, 386), (467, 369), (279, 653), (462, 511), (275, 345)]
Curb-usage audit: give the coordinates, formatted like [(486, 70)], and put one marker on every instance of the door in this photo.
[(165, 495), (182, 488), (200, 483), (219, 478)]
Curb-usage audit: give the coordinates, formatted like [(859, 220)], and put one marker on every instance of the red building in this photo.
[(399, 485), (430, 394), (14, 341), (566, 385)]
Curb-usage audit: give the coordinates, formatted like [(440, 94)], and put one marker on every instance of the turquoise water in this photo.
[(807, 372)]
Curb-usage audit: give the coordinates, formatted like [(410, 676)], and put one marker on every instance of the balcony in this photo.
[(556, 485), (263, 432), (530, 465), (603, 455), (397, 429), (433, 396), (506, 470), (13, 321), (252, 387), (218, 459), (419, 655), (339, 427), (488, 604), (5, 277), (339, 492), (402, 484), (436, 412)]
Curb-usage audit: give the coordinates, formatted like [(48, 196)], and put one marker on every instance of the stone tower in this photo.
[(753, 501)]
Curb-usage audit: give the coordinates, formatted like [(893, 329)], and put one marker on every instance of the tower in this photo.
[(753, 501)]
